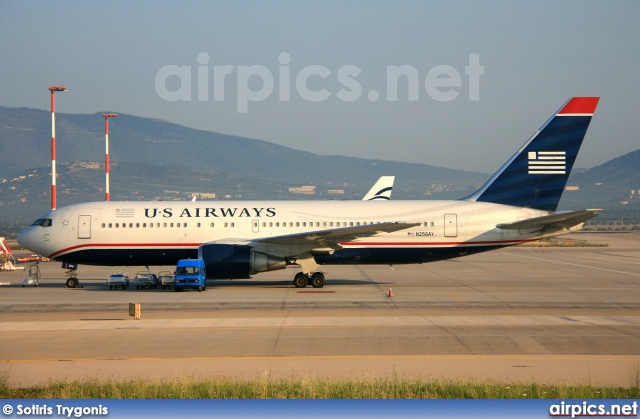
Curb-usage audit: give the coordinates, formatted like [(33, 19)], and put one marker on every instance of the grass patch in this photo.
[(396, 387)]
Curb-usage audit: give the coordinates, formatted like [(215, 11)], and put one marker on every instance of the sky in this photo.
[(456, 84)]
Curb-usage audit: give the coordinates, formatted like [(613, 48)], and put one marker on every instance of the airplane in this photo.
[(381, 190), (244, 238)]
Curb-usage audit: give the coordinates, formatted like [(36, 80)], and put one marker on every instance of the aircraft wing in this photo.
[(559, 220), (322, 238), (335, 235)]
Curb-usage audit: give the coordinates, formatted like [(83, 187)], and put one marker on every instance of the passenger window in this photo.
[(110, 225), (103, 225), (117, 225)]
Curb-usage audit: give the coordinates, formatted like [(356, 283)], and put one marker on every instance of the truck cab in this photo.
[(191, 273)]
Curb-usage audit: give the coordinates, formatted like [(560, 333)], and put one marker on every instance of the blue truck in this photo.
[(191, 273)]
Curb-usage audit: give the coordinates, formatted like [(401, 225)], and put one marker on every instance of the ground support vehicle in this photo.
[(146, 280), (118, 279), (191, 273), (167, 279)]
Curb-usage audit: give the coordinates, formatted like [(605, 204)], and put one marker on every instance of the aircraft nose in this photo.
[(23, 238)]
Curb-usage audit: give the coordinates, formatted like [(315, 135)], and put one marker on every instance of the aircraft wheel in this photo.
[(199, 289), (110, 287), (300, 280), (317, 280), (72, 283)]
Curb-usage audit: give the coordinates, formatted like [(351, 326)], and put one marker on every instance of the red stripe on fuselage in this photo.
[(131, 245), (431, 244)]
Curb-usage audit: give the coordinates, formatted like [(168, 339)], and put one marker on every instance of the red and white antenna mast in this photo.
[(106, 156), (54, 89)]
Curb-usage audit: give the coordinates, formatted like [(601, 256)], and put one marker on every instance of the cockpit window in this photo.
[(44, 222)]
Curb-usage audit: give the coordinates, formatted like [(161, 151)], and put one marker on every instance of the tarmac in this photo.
[(521, 314)]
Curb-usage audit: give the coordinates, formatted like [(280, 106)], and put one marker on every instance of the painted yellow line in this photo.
[(457, 297)]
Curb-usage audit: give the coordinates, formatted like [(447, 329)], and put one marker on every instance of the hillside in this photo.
[(614, 186), (25, 137)]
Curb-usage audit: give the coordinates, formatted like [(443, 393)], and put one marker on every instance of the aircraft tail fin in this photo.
[(536, 175), (381, 190)]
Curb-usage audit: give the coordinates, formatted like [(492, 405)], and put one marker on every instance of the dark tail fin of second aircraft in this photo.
[(537, 174)]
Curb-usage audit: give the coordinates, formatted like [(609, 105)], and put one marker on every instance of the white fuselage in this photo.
[(157, 232)]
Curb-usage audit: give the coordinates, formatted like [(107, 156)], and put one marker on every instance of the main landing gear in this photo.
[(301, 280)]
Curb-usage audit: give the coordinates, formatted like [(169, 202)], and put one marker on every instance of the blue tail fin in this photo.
[(537, 174)]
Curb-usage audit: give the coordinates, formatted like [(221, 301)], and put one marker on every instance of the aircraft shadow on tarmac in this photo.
[(98, 285)]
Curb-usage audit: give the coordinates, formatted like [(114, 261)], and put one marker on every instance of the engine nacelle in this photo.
[(231, 261)]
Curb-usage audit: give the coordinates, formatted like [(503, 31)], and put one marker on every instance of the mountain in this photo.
[(25, 137), (613, 186)]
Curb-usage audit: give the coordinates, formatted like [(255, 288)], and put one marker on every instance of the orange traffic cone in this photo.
[(390, 292)]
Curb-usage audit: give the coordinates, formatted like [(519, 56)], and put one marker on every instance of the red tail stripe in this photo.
[(580, 105)]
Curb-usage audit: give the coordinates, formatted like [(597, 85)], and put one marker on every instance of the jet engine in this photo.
[(231, 261)]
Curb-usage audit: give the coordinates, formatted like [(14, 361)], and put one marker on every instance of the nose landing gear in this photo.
[(72, 281)]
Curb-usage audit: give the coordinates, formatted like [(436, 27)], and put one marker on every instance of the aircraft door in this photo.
[(84, 226), (255, 226), (451, 225)]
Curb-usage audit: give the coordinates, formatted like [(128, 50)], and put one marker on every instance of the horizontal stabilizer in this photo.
[(558, 220)]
